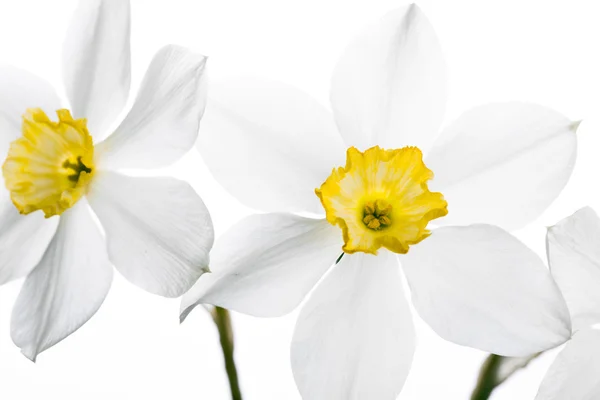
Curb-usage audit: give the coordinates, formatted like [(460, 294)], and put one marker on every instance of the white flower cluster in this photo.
[(472, 281)]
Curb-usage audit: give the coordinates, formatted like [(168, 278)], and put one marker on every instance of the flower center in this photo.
[(377, 214), (381, 199), (50, 167)]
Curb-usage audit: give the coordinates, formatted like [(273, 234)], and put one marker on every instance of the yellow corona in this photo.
[(49, 168), (381, 199)]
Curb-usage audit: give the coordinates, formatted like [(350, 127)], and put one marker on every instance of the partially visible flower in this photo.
[(158, 231), (573, 247), (271, 146)]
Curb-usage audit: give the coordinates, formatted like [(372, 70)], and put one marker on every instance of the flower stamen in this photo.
[(376, 214), (78, 168)]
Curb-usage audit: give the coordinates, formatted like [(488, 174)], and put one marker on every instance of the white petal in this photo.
[(574, 255), (354, 338), (269, 144), (575, 374), (503, 163), (479, 286), (97, 62), (23, 239), (266, 264), (21, 90), (389, 87), (66, 288), (158, 230), (163, 122)]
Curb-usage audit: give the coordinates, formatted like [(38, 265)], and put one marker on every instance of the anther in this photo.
[(78, 168), (376, 214), (374, 224), (382, 207)]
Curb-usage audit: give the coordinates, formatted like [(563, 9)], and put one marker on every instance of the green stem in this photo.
[(495, 370), (488, 378), (223, 322)]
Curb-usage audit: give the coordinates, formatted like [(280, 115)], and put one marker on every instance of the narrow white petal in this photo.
[(479, 286), (23, 239), (389, 87), (354, 338), (269, 144), (97, 62), (503, 163), (66, 288), (573, 247), (575, 374), (266, 264), (158, 231), (21, 90), (163, 122)]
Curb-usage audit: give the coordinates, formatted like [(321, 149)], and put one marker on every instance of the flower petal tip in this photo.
[(412, 7), (575, 125), (30, 355)]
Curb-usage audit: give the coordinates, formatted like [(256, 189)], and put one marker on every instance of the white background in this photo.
[(541, 51)]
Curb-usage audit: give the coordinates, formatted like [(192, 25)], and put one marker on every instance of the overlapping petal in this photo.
[(266, 264), (158, 231), (354, 338), (503, 163), (574, 257), (21, 90), (66, 288), (389, 86), (268, 144), (479, 286), (575, 373), (23, 239), (163, 123), (97, 62)]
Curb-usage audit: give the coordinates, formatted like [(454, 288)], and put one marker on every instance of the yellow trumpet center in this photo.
[(49, 168), (381, 199)]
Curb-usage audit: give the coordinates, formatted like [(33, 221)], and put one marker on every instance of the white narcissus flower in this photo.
[(501, 164), (158, 231), (573, 247)]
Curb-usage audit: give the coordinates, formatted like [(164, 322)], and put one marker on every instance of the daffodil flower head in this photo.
[(64, 178), (381, 199), (50, 167), (469, 279)]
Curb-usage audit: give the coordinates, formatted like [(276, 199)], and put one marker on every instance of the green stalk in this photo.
[(223, 321), (488, 378), (494, 371)]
